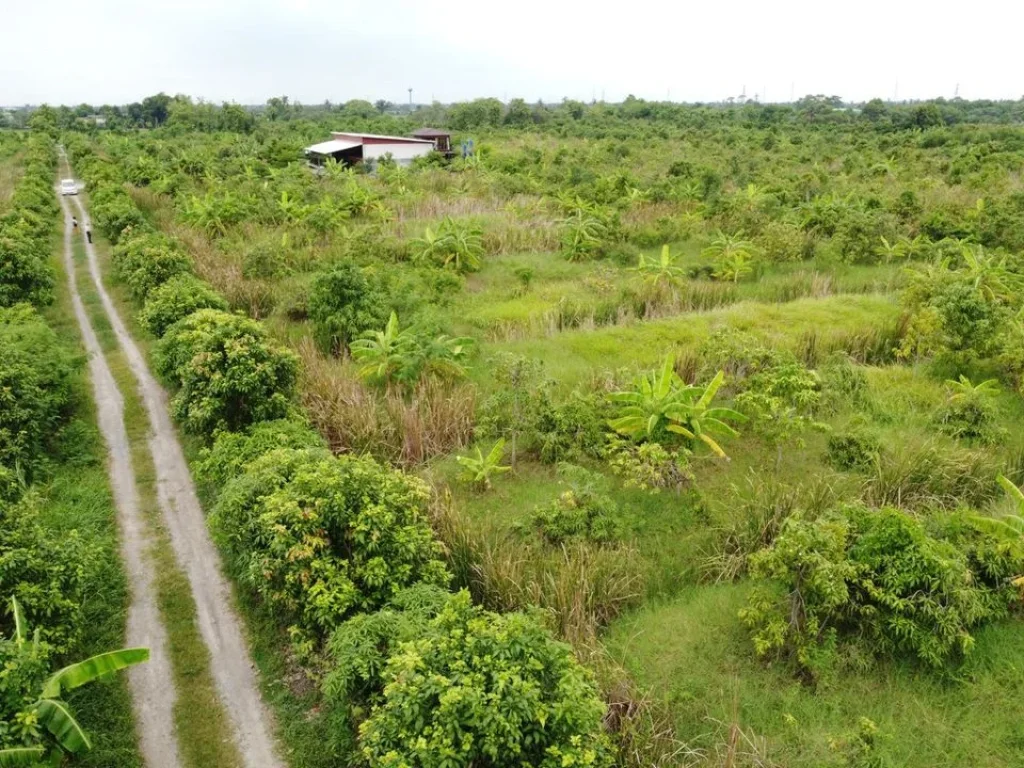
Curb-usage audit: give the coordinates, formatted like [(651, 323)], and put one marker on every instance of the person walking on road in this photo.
[(74, 224), (88, 230)]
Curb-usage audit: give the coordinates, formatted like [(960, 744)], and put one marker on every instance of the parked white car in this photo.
[(68, 187)]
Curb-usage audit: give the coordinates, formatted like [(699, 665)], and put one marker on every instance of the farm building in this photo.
[(442, 139), (352, 148)]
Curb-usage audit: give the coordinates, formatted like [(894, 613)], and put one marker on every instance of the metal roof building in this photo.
[(352, 148)]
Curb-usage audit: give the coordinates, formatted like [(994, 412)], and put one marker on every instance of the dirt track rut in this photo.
[(220, 627), (151, 684)]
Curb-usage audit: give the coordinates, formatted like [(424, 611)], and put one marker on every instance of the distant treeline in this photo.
[(190, 115)]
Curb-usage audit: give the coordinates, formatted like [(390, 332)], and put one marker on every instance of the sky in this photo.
[(245, 51)]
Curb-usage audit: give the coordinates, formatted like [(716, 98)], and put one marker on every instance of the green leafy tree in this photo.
[(485, 689), (228, 372), (344, 302), (35, 389), (320, 537), (175, 300)]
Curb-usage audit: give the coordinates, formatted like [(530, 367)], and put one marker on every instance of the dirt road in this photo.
[(151, 684), (220, 627)]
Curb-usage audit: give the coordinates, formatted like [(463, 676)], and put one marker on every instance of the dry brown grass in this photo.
[(406, 430)]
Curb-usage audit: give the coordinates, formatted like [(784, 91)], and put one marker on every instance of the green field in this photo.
[(830, 581)]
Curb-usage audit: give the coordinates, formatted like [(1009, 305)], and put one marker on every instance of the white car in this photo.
[(68, 187)]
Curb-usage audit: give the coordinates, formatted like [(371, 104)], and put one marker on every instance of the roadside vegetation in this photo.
[(65, 594), (703, 424)]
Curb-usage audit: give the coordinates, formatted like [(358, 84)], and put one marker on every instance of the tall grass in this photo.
[(929, 475), (433, 421)]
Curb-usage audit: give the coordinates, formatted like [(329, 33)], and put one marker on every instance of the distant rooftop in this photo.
[(430, 133), (337, 134)]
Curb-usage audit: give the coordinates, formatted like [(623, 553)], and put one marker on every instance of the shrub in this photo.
[(115, 213), (25, 274), (874, 577), (175, 300), (231, 452), (968, 418), (229, 373), (147, 260), (571, 430), (583, 511), (46, 570), (344, 302), (319, 537), (649, 466), (852, 450), (360, 647), (781, 241), (35, 388), (485, 689)]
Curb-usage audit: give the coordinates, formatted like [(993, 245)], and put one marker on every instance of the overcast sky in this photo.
[(118, 51)]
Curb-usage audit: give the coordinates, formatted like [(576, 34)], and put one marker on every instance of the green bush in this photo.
[(35, 388), (344, 302), (25, 273), (852, 450), (231, 452), (360, 647), (873, 577), (114, 213), (228, 372), (319, 537), (148, 260), (48, 571), (968, 418), (175, 300), (485, 689), (582, 511)]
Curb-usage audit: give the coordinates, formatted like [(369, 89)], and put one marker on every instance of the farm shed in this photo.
[(352, 148), (442, 139)]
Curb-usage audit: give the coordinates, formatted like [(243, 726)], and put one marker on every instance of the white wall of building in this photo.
[(403, 154)]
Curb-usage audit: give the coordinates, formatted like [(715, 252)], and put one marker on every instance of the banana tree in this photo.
[(479, 469), (382, 355), (646, 408), (663, 271), (697, 420), (63, 734), (662, 403)]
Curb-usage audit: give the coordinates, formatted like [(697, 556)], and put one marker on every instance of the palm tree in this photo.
[(64, 734)]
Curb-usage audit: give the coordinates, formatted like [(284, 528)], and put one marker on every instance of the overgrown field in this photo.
[(729, 401)]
